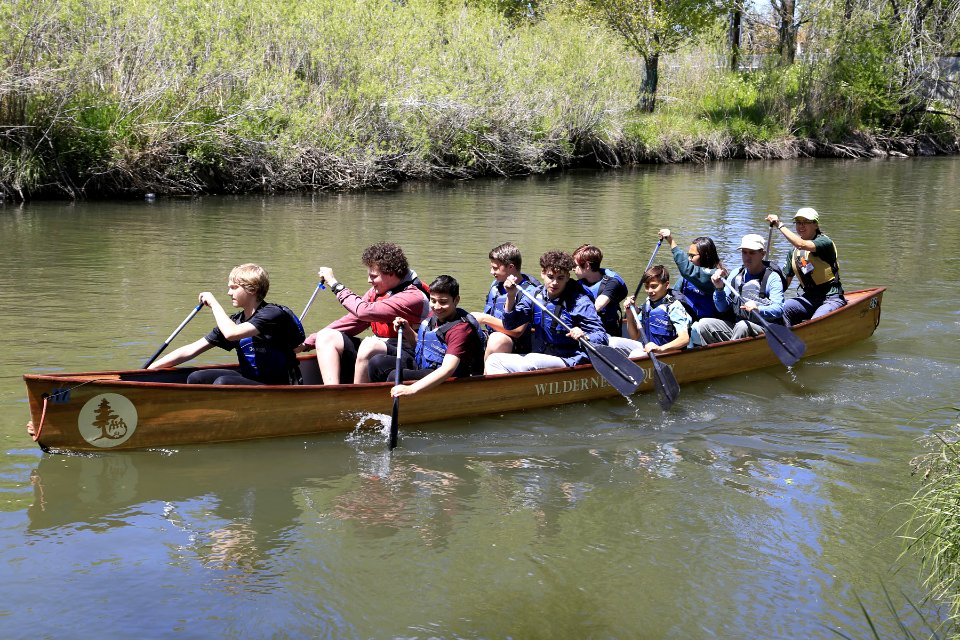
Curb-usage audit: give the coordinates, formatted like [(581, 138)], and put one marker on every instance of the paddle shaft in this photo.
[(636, 292), (785, 344), (395, 416), (173, 335), (754, 312), (589, 346), (310, 301)]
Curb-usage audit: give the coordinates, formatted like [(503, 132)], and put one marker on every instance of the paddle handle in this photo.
[(173, 335), (636, 292), (395, 415), (770, 241), (310, 301)]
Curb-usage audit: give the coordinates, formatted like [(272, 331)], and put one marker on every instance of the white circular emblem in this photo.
[(107, 420)]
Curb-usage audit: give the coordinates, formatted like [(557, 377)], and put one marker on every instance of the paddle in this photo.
[(784, 344), (173, 335), (664, 381), (617, 369), (395, 416), (636, 292), (310, 302)]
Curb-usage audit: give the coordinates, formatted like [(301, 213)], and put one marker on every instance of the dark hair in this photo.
[(447, 285), (709, 258), (387, 257), (587, 254), (658, 273), (557, 260), (506, 253)]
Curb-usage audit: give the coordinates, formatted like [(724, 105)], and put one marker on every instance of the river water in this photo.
[(765, 505)]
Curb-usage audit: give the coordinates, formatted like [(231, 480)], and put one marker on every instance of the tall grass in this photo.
[(189, 96), (934, 530)]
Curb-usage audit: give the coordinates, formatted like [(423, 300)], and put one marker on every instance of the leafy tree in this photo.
[(653, 28)]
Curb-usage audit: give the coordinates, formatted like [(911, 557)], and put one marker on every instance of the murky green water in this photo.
[(763, 506)]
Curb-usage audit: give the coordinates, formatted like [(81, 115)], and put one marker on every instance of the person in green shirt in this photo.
[(814, 261)]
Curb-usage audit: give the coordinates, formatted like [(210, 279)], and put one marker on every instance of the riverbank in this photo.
[(178, 98)]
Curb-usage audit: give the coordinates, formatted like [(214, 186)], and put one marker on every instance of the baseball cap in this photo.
[(753, 241), (807, 213)]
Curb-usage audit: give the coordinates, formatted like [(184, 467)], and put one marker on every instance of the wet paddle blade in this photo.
[(665, 383), (617, 369), (394, 423), (395, 416), (785, 344)]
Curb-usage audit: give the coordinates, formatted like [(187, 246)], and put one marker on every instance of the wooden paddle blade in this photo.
[(785, 344), (622, 373), (668, 389)]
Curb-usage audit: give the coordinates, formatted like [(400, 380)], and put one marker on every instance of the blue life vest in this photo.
[(698, 304), (610, 315), (549, 336), (656, 321), (497, 299), (270, 359), (497, 296), (432, 344)]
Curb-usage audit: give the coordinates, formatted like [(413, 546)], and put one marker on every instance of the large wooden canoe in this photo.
[(139, 409)]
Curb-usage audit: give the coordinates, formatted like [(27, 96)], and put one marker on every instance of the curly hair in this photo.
[(557, 260), (388, 257)]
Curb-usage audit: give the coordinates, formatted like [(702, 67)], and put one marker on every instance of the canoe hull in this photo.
[(109, 410)]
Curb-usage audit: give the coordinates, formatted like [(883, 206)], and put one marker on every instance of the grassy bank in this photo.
[(190, 96), (934, 531)]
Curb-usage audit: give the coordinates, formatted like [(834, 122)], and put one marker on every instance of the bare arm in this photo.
[(444, 371), (792, 237), (184, 353), (230, 330), (497, 325)]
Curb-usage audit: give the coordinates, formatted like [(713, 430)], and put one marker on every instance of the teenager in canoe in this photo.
[(394, 291)]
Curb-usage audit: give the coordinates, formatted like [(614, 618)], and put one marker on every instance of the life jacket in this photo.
[(549, 336), (815, 273), (385, 329), (610, 315), (432, 344), (497, 297), (494, 305), (756, 288), (697, 304), (656, 320), (264, 359)]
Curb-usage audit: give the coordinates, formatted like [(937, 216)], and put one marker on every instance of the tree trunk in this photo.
[(787, 33), (736, 18), (648, 89)]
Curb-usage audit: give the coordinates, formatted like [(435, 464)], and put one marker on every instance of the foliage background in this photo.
[(193, 96)]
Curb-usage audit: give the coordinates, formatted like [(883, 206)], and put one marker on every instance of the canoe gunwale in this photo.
[(171, 412), (113, 376)]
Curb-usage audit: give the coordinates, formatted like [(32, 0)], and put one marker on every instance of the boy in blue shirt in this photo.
[(666, 324), (553, 345)]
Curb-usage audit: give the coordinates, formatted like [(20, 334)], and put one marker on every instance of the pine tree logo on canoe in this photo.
[(107, 420)]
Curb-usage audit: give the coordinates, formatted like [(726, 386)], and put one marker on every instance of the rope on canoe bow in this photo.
[(46, 400), (43, 414)]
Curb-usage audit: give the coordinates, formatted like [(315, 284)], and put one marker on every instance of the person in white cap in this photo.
[(814, 260), (761, 291)]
